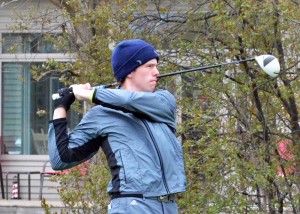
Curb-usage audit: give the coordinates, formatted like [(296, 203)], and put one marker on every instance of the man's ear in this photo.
[(129, 75)]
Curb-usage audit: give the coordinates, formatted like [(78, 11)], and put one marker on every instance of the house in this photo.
[(26, 104)]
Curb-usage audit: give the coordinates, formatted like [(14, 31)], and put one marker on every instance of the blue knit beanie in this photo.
[(130, 54)]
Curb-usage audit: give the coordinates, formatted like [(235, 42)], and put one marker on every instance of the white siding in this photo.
[(26, 163), (8, 13)]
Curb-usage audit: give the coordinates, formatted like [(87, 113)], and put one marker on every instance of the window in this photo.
[(29, 43), (26, 105)]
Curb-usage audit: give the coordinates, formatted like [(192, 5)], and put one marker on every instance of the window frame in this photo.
[(26, 58)]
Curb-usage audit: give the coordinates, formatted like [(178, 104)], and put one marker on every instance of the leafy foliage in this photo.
[(83, 188)]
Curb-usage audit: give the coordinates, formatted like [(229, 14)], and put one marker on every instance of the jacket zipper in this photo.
[(159, 156)]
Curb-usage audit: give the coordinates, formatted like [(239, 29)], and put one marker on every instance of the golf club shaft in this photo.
[(204, 67), (57, 96)]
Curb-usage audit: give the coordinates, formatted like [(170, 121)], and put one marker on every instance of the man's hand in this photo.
[(65, 101), (82, 92)]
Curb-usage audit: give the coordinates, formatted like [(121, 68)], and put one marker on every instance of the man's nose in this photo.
[(156, 72)]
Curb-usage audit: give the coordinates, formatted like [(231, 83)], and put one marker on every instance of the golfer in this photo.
[(135, 127)]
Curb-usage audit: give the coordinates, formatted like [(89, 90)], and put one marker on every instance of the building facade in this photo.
[(26, 104)]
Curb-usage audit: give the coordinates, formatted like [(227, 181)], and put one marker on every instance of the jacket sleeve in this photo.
[(66, 151), (159, 106)]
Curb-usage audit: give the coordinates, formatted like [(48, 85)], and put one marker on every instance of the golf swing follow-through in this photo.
[(268, 63), (135, 126)]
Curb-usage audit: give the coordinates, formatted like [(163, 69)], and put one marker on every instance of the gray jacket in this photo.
[(136, 131)]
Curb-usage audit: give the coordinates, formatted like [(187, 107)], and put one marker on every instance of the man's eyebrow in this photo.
[(152, 63)]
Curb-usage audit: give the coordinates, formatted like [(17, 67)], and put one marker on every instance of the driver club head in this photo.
[(268, 64)]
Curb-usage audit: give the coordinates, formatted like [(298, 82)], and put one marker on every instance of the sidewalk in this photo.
[(27, 207)]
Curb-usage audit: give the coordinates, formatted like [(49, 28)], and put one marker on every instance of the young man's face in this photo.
[(144, 78)]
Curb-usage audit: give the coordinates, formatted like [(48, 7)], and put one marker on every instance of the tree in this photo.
[(235, 118), (233, 157), (238, 115)]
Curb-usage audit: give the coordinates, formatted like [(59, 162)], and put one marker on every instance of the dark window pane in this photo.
[(12, 43), (29, 43), (27, 107)]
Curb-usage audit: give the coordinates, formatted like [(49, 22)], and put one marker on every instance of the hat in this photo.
[(130, 54)]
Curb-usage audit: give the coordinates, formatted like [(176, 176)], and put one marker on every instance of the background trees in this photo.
[(232, 118)]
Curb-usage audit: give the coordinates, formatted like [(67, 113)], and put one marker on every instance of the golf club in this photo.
[(268, 63)]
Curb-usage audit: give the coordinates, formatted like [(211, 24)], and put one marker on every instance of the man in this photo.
[(134, 126)]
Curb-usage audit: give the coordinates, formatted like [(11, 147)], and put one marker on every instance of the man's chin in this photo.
[(153, 88)]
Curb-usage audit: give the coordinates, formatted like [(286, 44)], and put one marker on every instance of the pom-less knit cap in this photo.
[(130, 54)]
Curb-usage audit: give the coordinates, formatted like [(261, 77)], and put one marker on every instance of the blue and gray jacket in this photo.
[(136, 131)]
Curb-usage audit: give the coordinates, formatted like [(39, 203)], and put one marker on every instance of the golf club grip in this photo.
[(61, 92), (55, 96)]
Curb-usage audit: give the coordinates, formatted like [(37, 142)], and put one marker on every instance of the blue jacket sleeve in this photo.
[(159, 105)]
